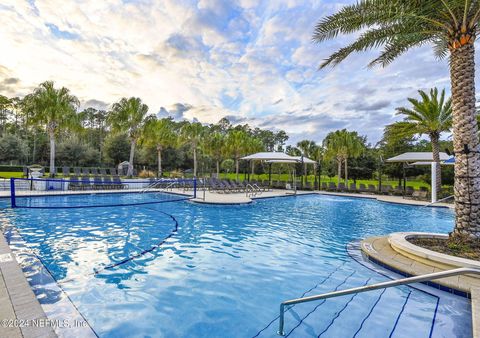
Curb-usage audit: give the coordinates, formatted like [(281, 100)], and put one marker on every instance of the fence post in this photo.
[(194, 187), (12, 192)]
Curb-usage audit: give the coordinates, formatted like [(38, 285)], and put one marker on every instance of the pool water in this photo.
[(181, 269)]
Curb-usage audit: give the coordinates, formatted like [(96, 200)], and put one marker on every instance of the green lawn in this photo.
[(6, 174)]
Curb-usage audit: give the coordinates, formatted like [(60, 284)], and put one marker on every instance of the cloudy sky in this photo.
[(250, 60)]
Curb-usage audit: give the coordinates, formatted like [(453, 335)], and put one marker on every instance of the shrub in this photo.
[(146, 174)]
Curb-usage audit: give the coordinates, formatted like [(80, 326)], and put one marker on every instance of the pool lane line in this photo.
[(369, 313), (320, 304), (340, 312), (303, 295), (400, 314), (144, 252), (434, 317)]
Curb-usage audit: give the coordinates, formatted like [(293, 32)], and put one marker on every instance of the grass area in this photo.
[(7, 174)]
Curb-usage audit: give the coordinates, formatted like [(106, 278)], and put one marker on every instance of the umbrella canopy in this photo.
[(417, 157), (270, 156), (296, 159)]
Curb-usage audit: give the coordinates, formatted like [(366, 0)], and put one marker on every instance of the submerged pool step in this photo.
[(396, 312)]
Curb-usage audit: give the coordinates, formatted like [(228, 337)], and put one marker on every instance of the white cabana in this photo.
[(269, 156), (422, 158)]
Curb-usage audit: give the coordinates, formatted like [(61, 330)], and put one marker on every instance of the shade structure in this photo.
[(410, 157), (422, 158), (270, 156)]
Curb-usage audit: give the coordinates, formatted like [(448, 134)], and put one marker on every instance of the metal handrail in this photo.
[(384, 285), (439, 201), (252, 190), (151, 185)]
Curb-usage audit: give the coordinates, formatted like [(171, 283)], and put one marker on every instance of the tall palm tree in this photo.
[(307, 148), (159, 134), (236, 143), (192, 134), (343, 145), (215, 147), (128, 115), (56, 109), (431, 116), (451, 26), (253, 145)]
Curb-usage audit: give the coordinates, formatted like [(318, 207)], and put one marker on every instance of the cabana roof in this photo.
[(277, 157), (417, 157), (269, 156)]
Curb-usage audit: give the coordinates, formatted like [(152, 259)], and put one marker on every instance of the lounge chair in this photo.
[(324, 186), (76, 171), (66, 171), (353, 187), (74, 183), (117, 182), (97, 183), (107, 182), (341, 187), (308, 186), (409, 191), (372, 189), (398, 191), (113, 171), (103, 172), (85, 183), (85, 171), (420, 194), (362, 188), (94, 171), (332, 186), (387, 189)]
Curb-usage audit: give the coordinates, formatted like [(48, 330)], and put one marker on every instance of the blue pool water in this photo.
[(224, 271)]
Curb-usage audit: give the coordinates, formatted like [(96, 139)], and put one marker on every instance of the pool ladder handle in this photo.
[(252, 190), (383, 285)]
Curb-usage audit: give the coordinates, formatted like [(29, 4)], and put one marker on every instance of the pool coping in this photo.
[(20, 307)]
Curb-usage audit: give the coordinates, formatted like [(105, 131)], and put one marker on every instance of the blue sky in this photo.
[(252, 61)]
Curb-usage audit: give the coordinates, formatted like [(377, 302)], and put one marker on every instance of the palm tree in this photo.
[(253, 145), (56, 109), (307, 148), (431, 116), (159, 134), (343, 145), (192, 134), (128, 115), (451, 27), (236, 143), (215, 147)]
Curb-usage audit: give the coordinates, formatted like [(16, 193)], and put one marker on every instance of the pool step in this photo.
[(402, 312)]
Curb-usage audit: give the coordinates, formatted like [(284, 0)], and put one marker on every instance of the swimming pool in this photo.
[(222, 271)]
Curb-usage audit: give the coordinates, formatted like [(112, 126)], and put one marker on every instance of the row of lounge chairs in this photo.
[(232, 186), (372, 189), (66, 171), (98, 183)]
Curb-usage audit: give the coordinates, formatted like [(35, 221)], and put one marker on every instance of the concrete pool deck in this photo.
[(21, 315)]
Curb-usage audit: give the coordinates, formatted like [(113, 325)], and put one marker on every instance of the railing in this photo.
[(252, 190), (384, 285), (151, 185), (439, 201)]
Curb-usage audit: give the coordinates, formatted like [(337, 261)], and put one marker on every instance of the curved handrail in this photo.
[(383, 285)]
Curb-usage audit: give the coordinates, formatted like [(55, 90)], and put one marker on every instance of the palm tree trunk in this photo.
[(339, 171), (52, 152), (465, 134), (436, 158), (130, 161), (195, 161), (346, 172), (237, 168), (159, 157)]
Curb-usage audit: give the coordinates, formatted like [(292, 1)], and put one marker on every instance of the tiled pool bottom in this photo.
[(227, 269)]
